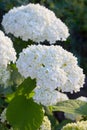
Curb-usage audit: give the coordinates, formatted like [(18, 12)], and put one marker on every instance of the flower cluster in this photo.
[(7, 52), (76, 126), (47, 97), (7, 55), (46, 125), (53, 67), (34, 22)]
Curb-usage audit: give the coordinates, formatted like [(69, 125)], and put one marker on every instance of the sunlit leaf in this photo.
[(71, 106), (24, 114)]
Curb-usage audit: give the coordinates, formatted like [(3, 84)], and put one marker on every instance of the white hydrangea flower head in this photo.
[(46, 125), (51, 77), (4, 76), (76, 126), (52, 66), (75, 76), (7, 52), (3, 116), (47, 97), (34, 22)]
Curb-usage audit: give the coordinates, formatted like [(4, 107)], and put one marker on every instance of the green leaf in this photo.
[(63, 123), (9, 97), (16, 79), (26, 87), (24, 114), (71, 106)]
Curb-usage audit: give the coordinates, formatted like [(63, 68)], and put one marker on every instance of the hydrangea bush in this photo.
[(47, 71)]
